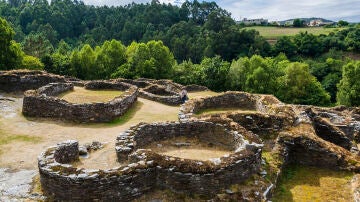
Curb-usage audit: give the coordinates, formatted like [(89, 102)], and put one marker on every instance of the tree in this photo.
[(111, 55), (188, 73), (300, 87), (37, 45), (256, 74), (33, 63), (349, 86), (342, 23), (298, 23), (150, 60), (308, 44), (216, 71), (285, 45), (10, 52), (352, 40)]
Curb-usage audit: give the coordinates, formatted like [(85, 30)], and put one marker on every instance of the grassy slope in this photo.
[(277, 32)]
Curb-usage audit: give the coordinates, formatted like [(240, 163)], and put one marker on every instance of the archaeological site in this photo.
[(134, 140)]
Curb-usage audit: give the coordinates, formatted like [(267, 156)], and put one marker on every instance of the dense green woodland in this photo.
[(196, 43)]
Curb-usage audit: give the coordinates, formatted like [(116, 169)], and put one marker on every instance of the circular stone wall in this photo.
[(147, 170), (205, 178), (258, 113), (160, 94), (21, 80), (43, 103)]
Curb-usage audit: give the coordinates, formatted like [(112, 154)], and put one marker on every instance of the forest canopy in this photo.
[(195, 43)]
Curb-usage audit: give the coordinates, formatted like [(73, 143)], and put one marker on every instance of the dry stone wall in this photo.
[(22, 80), (148, 170), (239, 100), (160, 94), (42, 103), (258, 113)]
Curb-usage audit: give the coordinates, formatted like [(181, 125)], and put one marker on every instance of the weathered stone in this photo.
[(22, 80), (41, 103), (67, 152), (330, 133)]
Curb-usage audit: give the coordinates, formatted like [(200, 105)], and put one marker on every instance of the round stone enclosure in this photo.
[(146, 170), (162, 94), (44, 102), (191, 175), (228, 100)]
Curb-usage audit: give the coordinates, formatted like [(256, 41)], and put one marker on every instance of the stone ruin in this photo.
[(163, 91), (306, 135), (146, 170), (40, 100), (44, 103), (21, 80)]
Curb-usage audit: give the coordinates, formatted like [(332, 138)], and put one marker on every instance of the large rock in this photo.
[(67, 152)]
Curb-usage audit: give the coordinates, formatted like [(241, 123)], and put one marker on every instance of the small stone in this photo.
[(83, 151), (229, 191), (263, 172)]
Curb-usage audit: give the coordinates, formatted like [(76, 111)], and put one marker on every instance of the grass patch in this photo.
[(272, 165), (277, 32), (81, 95), (129, 114), (36, 185), (203, 150), (305, 183), (8, 138)]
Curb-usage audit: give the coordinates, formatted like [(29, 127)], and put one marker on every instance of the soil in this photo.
[(191, 149), (23, 154), (81, 95)]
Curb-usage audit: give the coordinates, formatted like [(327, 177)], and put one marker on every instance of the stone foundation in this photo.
[(261, 113), (22, 80), (195, 88), (160, 94), (204, 178), (43, 103), (148, 170)]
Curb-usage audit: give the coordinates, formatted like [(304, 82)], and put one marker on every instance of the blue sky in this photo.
[(274, 9)]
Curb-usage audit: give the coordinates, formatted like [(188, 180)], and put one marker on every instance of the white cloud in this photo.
[(285, 9), (272, 9)]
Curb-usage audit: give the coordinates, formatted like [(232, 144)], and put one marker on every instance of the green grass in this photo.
[(277, 32), (128, 115), (6, 138), (272, 165), (304, 183), (82, 95)]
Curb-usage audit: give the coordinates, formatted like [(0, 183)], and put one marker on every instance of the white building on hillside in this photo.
[(260, 21)]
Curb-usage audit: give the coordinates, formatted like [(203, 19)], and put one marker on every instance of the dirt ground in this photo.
[(23, 154), (23, 139)]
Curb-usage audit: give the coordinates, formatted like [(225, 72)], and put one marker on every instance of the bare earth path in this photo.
[(22, 139)]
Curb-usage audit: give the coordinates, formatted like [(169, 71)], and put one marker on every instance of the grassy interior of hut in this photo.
[(81, 95), (187, 148)]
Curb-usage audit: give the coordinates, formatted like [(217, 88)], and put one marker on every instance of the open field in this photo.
[(277, 32)]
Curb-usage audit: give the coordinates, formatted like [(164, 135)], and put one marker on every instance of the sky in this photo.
[(273, 10)]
